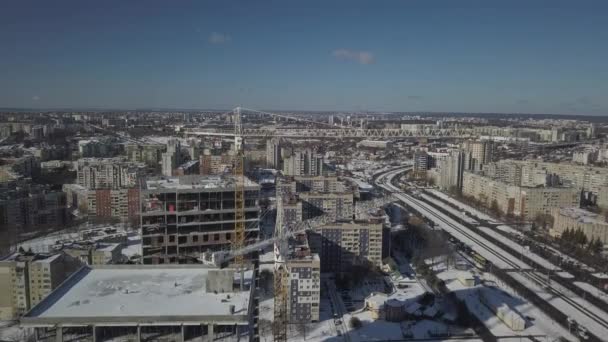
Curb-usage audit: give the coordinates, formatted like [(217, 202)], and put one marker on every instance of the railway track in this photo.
[(491, 250)]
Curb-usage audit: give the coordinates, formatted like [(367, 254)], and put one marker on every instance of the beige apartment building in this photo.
[(581, 177), (527, 202), (26, 279), (338, 206), (594, 226), (602, 198)]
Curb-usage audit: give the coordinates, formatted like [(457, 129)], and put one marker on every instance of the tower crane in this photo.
[(239, 189), (280, 240)]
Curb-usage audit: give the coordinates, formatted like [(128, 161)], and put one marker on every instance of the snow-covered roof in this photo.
[(118, 292)]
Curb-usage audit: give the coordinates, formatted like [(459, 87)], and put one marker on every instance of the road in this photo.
[(340, 312), (594, 319)]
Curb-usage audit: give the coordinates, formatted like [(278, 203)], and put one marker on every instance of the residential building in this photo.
[(338, 206), (184, 216), (107, 173), (451, 171), (527, 202), (602, 198), (27, 278), (27, 205), (216, 162), (341, 245), (172, 158), (304, 283), (305, 162), (273, 153), (149, 154), (482, 152)]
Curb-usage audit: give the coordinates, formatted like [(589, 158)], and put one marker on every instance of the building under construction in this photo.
[(181, 217)]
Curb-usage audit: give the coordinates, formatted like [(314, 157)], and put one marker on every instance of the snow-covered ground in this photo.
[(11, 331), (43, 244), (559, 303), (519, 248), (461, 205), (133, 247), (450, 209), (593, 290)]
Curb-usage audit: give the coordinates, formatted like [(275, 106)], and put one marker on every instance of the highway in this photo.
[(591, 317)]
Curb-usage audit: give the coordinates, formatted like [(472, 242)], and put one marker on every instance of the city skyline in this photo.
[(545, 58)]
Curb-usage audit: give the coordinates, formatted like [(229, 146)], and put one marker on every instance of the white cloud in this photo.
[(361, 57), (35, 98), (219, 38)]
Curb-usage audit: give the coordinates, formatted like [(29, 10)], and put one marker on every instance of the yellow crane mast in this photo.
[(239, 190)]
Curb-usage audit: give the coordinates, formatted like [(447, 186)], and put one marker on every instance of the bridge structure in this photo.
[(340, 133)]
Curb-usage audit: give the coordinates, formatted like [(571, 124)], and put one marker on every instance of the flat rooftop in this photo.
[(195, 182), (138, 293)]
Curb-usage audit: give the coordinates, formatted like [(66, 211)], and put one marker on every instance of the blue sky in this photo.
[(466, 56)]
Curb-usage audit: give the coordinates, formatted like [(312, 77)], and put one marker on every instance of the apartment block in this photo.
[(215, 162), (184, 216), (107, 173), (338, 206), (602, 198), (121, 204), (304, 162), (585, 178), (527, 202), (149, 154), (304, 283), (92, 253), (341, 245), (27, 205), (26, 279)]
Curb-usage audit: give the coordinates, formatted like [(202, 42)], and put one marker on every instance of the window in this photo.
[(194, 238), (216, 237), (171, 238)]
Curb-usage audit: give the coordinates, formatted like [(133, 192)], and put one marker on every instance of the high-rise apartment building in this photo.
[(273, 153), (306, 162), (28, 205), (172, 158), (341, 245), (184, 216), (304, 282), (482, 152), (150, 154), (107, 173), (452, 170), (337, 206)]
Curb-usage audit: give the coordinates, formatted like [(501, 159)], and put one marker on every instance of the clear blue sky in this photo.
[(470, 56)]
